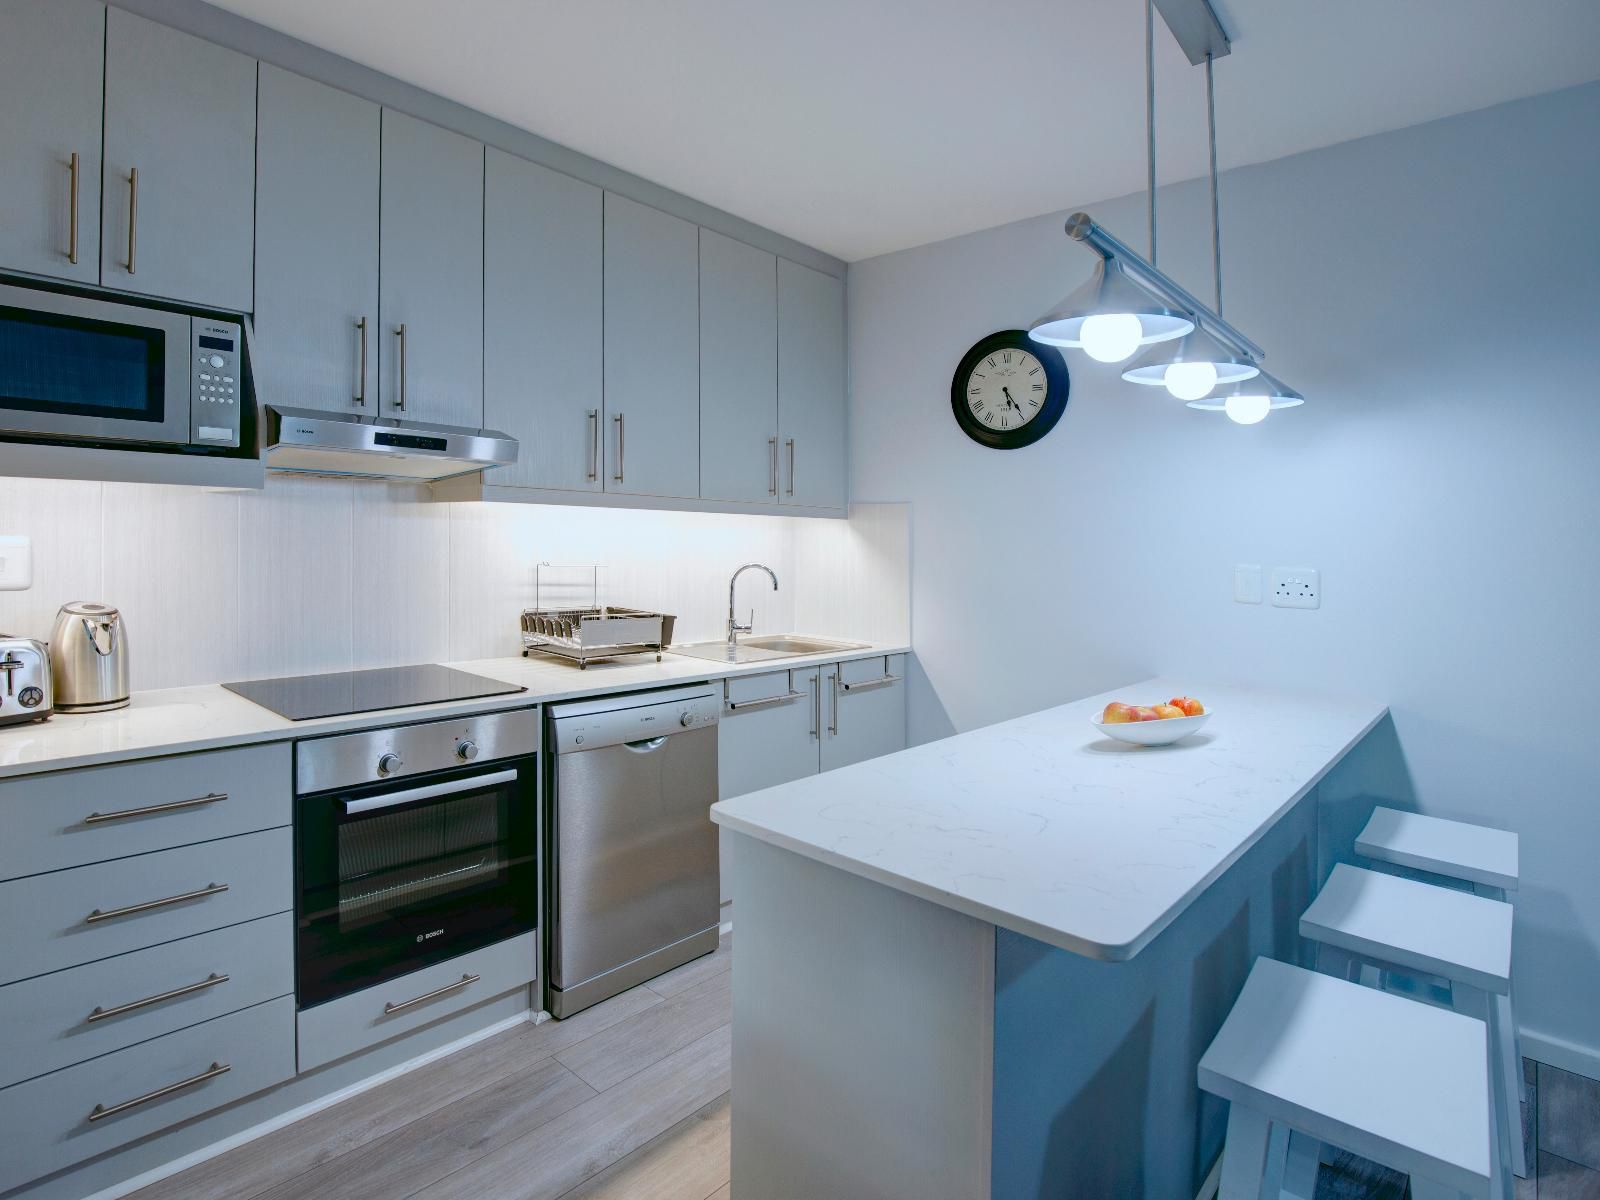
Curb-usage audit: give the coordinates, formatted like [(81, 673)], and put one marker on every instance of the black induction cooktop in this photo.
[(304, 697)]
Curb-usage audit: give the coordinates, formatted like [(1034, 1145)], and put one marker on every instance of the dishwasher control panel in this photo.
[(642, 717)]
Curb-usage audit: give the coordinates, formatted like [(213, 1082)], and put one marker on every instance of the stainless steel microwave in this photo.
[(96, 369)]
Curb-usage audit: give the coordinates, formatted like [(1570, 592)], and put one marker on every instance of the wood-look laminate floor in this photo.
[(626, 1099)]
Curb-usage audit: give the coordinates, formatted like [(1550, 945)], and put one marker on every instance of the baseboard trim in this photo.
[(272, 1124), (1558, 1052)]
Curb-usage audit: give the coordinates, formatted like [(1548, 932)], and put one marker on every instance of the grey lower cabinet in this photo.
[(811, 387), (543, 345), (738, 371), (431, 273), (177, 206), (787, 725), (652, 351), (316, 283), (52, 69)]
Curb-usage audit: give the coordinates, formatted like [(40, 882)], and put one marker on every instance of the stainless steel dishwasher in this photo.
[(633, 875)]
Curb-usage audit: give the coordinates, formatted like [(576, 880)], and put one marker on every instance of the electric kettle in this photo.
[(89, 658)]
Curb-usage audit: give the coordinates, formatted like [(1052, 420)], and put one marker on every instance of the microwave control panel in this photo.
[(215, 386)]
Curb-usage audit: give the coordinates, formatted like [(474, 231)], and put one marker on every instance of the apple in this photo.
[(1116, 713), (1191, 707), (1167, 711), (1142, 713)]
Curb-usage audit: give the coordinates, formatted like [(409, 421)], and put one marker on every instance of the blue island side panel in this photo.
[(1094, 1062)]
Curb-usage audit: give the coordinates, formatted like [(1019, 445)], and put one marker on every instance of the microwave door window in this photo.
[(71, 366)]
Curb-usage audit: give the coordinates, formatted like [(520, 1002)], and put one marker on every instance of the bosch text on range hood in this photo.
[(309, 442)]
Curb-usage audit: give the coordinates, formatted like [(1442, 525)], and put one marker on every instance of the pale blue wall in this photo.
[(1436, 293)]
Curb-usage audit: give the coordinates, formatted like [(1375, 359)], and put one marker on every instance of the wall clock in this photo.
[(1009, 390)]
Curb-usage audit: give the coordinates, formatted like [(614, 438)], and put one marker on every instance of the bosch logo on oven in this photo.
[(433, 933)]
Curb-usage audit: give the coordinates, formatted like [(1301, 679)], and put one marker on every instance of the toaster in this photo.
[(25, 693)]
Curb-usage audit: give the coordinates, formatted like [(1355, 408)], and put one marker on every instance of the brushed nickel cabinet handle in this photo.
[(361, 366), (100, 1112), (618, 476), (123, 814), (772, 460), (816, 707), (215, 889), (791, 467), (833, 686), (594, 444), (739, 706), (133, 216), (72, 213), (868, 685), (400, 400), (188, 989), (464, 981)]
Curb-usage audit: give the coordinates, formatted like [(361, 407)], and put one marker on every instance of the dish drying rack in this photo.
[(584, 633)]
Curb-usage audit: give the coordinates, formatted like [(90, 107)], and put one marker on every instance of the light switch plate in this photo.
[(1247, 583), (1296, 587), (16, 562)]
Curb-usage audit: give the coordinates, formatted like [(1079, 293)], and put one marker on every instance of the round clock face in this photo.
[(1009, 391)]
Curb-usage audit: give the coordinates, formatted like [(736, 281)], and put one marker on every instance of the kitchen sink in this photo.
[(794, 643), (763, 649)]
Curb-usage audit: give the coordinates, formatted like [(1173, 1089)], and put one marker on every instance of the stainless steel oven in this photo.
[(414, 844), (77, 367)]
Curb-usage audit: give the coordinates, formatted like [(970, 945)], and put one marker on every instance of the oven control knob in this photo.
[(686, 720), (389, 764), (466, 749)]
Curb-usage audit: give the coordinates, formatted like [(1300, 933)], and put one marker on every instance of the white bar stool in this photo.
[(1486, 858), (1401, 925), (1401, 1083)]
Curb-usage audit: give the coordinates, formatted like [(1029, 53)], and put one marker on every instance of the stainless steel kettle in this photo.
[(89, 658)]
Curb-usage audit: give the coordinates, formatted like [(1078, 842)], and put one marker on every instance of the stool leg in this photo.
[(1300, 1170), (1335, 961), (1503, 1033), (1244, 1155), (1505, 1124)]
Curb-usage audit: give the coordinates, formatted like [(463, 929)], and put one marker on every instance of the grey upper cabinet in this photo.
[(738, 370), (316, 310), (811, 387), (431, 273), (652, 351), (177, 207), (543, 346), (51, 59)]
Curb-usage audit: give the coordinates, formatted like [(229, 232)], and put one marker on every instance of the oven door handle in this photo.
[(431, 792)]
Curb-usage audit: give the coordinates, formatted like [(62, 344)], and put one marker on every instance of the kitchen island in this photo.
[(987, 966)]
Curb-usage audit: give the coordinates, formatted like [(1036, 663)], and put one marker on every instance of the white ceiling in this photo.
[(865, 126)]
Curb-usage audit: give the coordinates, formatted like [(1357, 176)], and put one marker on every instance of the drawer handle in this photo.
[(464, 981), (213, 889), (210, 981), (739, 706), (866, 685), (123, 814), (100, 1112)]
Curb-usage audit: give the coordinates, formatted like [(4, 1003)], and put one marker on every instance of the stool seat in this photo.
[(1433, 930), (1402, 1083), (1469, 852)]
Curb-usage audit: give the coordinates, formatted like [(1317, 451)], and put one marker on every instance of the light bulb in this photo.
[(1110, 337), (1190, 380), (1247, 410)]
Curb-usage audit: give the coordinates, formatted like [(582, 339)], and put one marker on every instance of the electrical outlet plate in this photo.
[(1296, 587), (1247, 583), (16, 562)]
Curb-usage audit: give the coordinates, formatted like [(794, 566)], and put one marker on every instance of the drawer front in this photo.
[(376, 1014), (88, 913), (47, 1120), (56, 1020), (100, 813)]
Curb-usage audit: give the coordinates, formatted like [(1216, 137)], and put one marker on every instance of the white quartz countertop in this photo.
[(1042, 826), (179, 720)]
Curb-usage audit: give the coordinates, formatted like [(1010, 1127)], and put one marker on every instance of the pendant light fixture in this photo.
[(1196, 363), (1250, 401)]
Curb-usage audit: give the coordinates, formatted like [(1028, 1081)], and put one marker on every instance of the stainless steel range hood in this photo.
[(308, 442)]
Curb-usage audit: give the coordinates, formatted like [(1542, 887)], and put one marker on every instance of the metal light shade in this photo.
[(1279, 393), (1109, 290), (1196, 347)]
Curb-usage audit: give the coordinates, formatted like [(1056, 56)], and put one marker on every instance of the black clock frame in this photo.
[(1058, 383)]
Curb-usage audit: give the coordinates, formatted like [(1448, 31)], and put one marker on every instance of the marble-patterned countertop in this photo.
[(1042, 826), (179, 720)]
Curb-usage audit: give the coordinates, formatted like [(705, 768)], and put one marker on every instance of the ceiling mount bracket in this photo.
[(1195, 26)]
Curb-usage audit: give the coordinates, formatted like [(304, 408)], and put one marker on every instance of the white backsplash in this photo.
[(325, 574)]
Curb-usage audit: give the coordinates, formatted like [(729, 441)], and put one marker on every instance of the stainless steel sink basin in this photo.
[(794, 643), (763, 649)]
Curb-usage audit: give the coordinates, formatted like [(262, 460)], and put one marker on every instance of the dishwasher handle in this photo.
[(646, 745)]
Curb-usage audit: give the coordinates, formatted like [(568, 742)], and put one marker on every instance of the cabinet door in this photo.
[(51, 74), (738, 371), (431, 273), (866, 710), (543, 348), (317, 245), (811, 386), (182, 113), (769, 734), (652, 355)]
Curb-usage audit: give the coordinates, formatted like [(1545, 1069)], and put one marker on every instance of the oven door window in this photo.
[(394, 878), (75, 366)]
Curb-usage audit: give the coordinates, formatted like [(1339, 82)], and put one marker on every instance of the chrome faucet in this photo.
[(734, 628)]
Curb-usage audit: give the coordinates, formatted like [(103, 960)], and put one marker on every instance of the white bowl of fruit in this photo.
[(1152, 725)]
